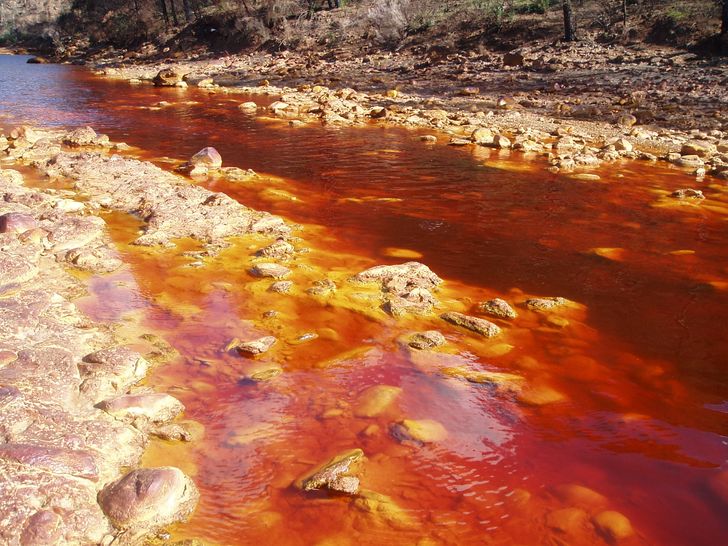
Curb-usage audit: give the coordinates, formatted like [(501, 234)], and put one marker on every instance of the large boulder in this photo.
[(168, 77), (149, 498)]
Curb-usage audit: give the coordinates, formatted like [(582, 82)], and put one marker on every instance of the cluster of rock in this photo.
[(70, 431)]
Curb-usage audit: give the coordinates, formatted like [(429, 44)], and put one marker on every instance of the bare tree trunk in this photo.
[(624, 14), (188, 9), (173, 10), (165, 13), (569, 21)]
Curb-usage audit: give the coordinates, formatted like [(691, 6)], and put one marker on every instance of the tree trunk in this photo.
[(173, 10), (188, 9), (165, 14), (624, 14), (569, 21), (724, 25)]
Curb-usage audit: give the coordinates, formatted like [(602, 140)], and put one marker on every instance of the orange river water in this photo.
[(636, 370)]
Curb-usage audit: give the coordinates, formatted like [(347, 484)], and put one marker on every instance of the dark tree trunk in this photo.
[(188, 9), (724, 24), (624, 14), (165, 13), (173, 10), (569, 21)]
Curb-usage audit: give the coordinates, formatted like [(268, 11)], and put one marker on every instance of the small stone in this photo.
[(623, 145), (262, 371), (167, 77), (322, 287), (469, 91), (83, 136), (627, 120), (208, 158), (374, 401), (428, 138), (378, 112), (334, 475), (687, 193), (281, 287), (277, 250), (248, 106), (613, 525), (482, 136), (474, 324), (423, 431), (501, 141), (426, 340), (272, 270), (254, 347), (544, 304), (497, 308)]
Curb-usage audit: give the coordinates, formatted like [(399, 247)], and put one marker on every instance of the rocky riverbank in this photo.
[(580, 106), (74, 419)]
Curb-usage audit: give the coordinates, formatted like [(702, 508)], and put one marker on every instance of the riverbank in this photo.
[(579, 105)]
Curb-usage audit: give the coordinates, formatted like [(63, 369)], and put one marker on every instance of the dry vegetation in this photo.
[(238, 25)]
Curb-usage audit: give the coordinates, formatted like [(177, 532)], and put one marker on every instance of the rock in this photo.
[(623, 145), (149, 498), (687, 193), (455, 141), (383, 510), (507, 381), (172, 432), (540, 396), (426, 340), (17, 222), (83, 136), (72, 232), (699, 148), (43, 527), (378, 112), (281, 287), (579, 495), (497, 308), (544, 304), (423, 431), (483, 136), (567, 520), (261, 371), (322, 287), (111, 372), (37, 60), (374, 401), (154, 407), (400, 278), (278, 106), (501, 141), (334, 475), (168, 77), (248, 106), (469, 91), (513, 59), (275, 271), (613, 525), (278, 250), (208, 158), (80, 464), (627, 120), (428, 138), (254, 347), (692, 161), (474, 324)]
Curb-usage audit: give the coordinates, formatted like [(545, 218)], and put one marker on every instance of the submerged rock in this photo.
[(208, 157), (374, 401), (497, 308), (277, 250), (567, 520), (422, 431), (426, 340), (544, 304), (383, 510), (334, 475), (275, 271), (687, 193), (262, 371), (474, 324), (149, 498), (155, 407), (613, 525)]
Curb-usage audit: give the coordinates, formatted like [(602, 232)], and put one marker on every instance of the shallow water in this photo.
[(641, 362)]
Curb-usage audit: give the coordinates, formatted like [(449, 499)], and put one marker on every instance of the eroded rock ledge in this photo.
[(66, 459)]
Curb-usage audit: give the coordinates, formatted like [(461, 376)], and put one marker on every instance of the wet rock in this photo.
[(322, 287), (540, 396), (400, 278), (74, 231), (483, 136), (687, 193), (374, 401), (111, 372), (281, 287), (83, 136), (334, 475), (579, 495), (692, 161), (99, 260), (426, 340), (149, 498), (17, 222), (497, 308), (168, 77), (474, 324), (613, 525), (544, 304), (277, 250), (248, 106), (567, 520), (423, 431), (207, 158), (172, 432), (154, 407), (261, 371), (428, 138), (501, 141), (275, 271), (623, 145), (253, 347), (507, 381), (383, 510)]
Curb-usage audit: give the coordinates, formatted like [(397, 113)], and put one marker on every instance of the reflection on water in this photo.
[(640, 367)]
